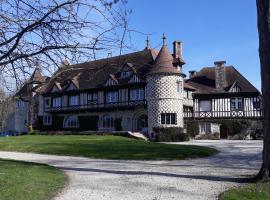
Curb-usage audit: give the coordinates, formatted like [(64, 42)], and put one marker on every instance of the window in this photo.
[(256, 104), (19, 104), (112, 97), (205, 106), (168, 118), (71, 122), (92, 98), (236, 103), (73, 100), (186, 94), (57, 102), (205, 128), (107, 122), (47, 120), (47, 102), (136, 94), (179, 86)]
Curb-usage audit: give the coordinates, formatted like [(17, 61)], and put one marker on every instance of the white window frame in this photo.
[(205, 105), (205, 128), (57, 102), (237, 103), (168, 118), (71, 121), (47, 120), (112, 97), (179, 86), (137, 94), (73, 100)]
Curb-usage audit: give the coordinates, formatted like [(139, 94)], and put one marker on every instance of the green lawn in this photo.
[(106, 147), (257, 191), (29, 181)]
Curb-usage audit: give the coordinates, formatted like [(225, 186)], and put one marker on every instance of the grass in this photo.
[(105, 147), (29, 181), (256, 191)]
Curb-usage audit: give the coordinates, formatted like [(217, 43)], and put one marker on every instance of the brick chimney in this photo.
[(177, 49), (220, 75), (192, 73)]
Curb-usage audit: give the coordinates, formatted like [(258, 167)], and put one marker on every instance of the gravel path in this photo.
[(94, 179)]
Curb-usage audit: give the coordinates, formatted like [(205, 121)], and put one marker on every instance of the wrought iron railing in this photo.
[(95, 106)]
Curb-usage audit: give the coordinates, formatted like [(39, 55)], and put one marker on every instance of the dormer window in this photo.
[(125, 74), (56, 102)]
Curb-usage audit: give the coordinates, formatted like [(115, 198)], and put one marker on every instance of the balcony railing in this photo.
[(225, 114), (97, 106)]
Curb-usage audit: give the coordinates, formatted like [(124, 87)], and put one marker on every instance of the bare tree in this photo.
[(7, 107), (44, 33), (263, 10)]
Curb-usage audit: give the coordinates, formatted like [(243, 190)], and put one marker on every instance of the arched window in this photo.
[(107, 122), (71, 122)]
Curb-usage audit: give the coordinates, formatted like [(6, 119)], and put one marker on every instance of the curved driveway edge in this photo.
[(200, 179)]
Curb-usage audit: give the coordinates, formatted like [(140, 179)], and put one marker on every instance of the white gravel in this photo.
[(94, 179)]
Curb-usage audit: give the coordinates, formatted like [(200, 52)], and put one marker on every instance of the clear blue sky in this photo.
[(210, 29)]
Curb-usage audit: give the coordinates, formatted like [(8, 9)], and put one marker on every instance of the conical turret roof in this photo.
[(164, 62), (37, 76)]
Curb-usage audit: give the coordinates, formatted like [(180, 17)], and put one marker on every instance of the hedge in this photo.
[(171, 134)]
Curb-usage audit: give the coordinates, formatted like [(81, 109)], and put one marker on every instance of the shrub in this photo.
[(192, 128), (171, 134), (209, 136)]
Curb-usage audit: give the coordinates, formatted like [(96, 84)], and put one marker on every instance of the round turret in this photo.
[(164, 92)]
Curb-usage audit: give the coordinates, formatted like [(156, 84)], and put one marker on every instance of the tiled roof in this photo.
[(204, 81), (94, 74), (164, 62)]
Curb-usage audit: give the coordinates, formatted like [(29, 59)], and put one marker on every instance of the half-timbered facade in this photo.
[(139, 91)]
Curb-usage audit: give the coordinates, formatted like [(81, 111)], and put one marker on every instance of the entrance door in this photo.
[(223, 132), (142, 123)]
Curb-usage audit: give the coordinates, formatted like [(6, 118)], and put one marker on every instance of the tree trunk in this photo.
[(263, 11)]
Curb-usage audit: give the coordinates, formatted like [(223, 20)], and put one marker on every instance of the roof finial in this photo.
[(164, 40), (147, 42)]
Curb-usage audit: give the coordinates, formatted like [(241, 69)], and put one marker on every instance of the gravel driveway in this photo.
[(94, 179)]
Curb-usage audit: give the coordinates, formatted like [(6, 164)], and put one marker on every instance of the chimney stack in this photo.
[(177, 49), (192, 73), (220, 75)]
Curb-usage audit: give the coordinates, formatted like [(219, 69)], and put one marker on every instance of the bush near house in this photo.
[(171, 134), (192, 128)]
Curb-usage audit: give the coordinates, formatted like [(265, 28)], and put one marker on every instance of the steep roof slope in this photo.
[(94, 74), (204, 81)]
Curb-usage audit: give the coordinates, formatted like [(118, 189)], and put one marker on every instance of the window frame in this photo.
[(107, 122), (109, 97), (57, 102), (137, 94), (71, 121), (73, 100), (168, 118), (47, 120), (236, 102)]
